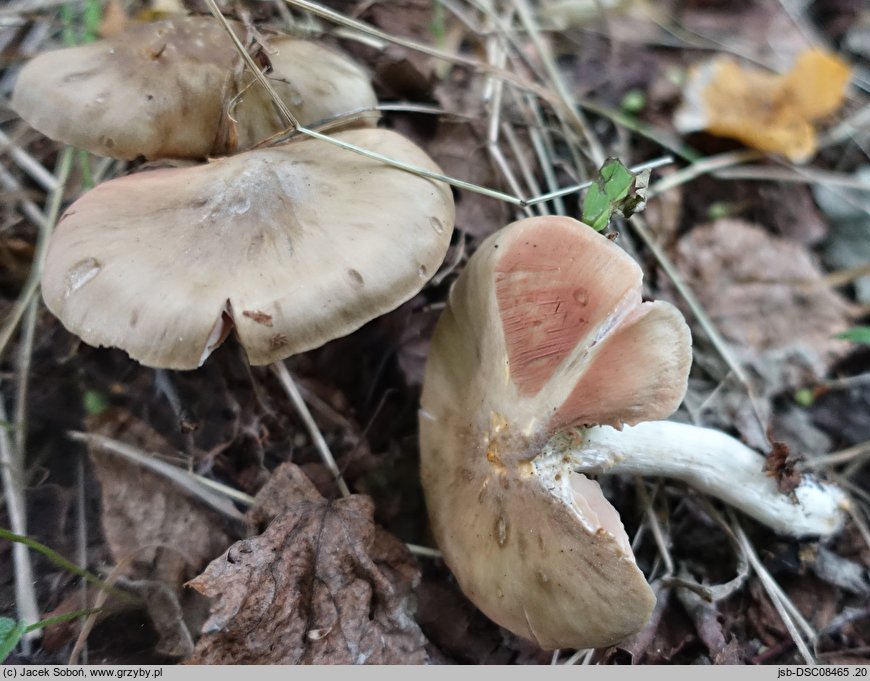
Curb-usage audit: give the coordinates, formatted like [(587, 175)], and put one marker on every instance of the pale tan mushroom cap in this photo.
[(314, 82), (169, 90), (544, 329), (295, 245)]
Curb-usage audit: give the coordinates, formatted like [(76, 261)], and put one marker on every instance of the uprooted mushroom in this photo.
[(177, 88), (542, 368), (291, 246)]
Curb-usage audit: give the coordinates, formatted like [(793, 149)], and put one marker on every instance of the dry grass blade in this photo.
[(857, 452), (294, 125), (289, 385), (28, 164), (794, 622), (12, 472), (180, 477), (25, 299)]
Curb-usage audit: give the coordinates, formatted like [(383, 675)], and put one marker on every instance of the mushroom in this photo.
[(540, 367), (176, 89), (292, 246)]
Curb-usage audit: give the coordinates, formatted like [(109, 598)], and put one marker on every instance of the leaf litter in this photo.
[(321, 585)]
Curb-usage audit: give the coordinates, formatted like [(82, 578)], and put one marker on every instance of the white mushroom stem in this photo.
[(711, 462)]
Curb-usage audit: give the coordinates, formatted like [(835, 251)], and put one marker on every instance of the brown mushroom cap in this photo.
[(165, 90), (544, 329), (294, 245)]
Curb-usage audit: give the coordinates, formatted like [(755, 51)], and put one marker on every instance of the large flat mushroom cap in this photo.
[(177, 89), (293, 245), (544, 329)]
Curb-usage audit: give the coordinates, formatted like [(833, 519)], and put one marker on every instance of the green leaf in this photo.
[(858, 334), (633, 102), (804, 397), (10, 634), (94, 402), (617, 190)]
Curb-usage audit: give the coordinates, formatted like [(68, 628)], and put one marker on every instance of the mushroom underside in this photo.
[(516, 357)]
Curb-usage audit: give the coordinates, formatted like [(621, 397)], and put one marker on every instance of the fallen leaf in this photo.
[(165, 612), (459, 148), (169, 535), (766, 296), (321, 585), (774, 113)]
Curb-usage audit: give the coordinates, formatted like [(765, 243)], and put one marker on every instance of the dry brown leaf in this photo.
[(460, 150), (169, 534), (321, 585), (763, 110), (766, 296)]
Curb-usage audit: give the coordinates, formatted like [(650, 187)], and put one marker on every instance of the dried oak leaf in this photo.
[(770, 112), (169, 535), (767, 297), (459, 148), (321, 585)]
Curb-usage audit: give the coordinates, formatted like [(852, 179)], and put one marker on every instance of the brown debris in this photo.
[(168, 534), (259, 317), (460, 149), (780, 465), (321, 585), (766, 296)]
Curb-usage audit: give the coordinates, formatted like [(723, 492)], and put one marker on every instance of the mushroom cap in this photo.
[(293, 245), (165, 90), (545, 329), (314, 82)]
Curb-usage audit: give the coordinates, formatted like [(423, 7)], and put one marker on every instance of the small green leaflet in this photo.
[(617, 190), (10, 634), (858, 334)]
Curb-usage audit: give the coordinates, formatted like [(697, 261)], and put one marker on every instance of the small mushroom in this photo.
[(292, 246), (544, 353), (177, 89)]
